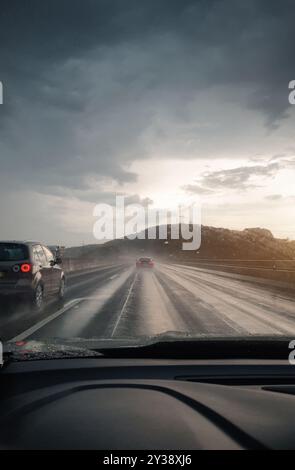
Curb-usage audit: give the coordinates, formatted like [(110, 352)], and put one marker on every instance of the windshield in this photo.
[(147, 149)]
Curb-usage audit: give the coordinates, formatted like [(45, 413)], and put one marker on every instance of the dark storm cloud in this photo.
[(101, 197), (84, 80)]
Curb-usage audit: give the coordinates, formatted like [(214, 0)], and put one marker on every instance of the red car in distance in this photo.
[(145, 262)]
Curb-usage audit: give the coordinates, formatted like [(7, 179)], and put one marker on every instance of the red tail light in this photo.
[(25, 268)]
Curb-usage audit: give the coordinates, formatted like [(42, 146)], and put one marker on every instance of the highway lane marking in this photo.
[(71, 304), (252, 319), (124, 306), (25, 334), (113, 276)]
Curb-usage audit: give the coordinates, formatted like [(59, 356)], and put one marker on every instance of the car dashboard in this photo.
[(102, 403)]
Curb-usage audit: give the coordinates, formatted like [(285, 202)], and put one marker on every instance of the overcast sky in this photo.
[(158, 100)]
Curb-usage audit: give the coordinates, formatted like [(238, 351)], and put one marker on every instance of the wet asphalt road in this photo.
[(120, 301)]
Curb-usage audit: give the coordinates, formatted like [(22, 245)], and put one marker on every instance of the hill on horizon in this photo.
[(217, 243)]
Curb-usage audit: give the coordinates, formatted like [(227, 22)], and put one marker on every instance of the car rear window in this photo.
[(13, 252)]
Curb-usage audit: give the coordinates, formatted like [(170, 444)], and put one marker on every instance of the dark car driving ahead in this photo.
[(29, 269)]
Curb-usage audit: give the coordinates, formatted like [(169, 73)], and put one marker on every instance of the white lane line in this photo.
[(25, 334), (72, 303), (124, 306)]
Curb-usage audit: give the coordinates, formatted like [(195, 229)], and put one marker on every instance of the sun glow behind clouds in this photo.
[(265, 199)]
